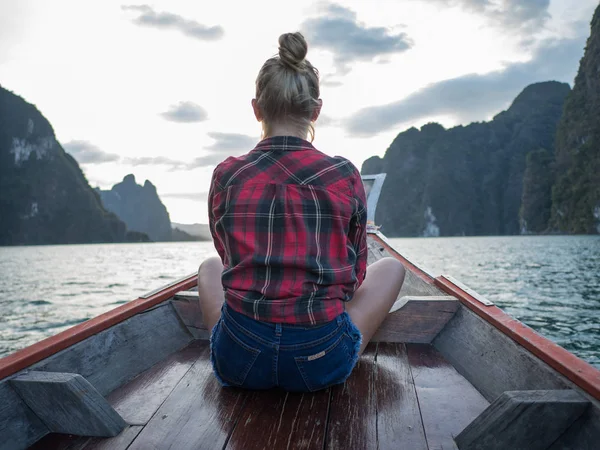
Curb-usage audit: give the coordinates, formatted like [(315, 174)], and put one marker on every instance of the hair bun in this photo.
[(292, 50)]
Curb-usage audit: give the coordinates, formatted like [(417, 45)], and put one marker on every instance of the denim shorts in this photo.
[(260, 355)]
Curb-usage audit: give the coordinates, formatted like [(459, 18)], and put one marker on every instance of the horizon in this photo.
[(118, 85)]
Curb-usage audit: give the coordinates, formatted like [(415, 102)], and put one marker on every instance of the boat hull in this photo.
[(441, 331)]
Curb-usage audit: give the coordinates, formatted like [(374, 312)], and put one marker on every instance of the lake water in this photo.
[(551, 283)]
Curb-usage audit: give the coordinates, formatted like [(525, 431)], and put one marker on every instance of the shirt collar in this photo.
[(284, 143)]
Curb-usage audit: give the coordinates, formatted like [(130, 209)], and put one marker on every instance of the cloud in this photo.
[(231, 142), (526, 15), (87, 153), (529, 14), (195, 196), (148, 17), (329, 80), (338, 30), (224, 145), (473, 97), (185, 112), (156, 161)]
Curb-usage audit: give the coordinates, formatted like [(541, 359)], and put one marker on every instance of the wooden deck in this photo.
[(399, 396)]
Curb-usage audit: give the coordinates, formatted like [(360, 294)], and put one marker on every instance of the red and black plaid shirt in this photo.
[(289, 223)]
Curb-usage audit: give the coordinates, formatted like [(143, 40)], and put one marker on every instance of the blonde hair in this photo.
[(287, 87)]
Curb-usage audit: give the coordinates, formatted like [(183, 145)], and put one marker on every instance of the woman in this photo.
[(290, 301)]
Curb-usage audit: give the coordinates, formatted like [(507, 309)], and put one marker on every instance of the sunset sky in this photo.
[(163, 90)]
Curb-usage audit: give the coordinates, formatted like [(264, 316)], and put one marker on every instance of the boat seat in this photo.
[(68, 403), (412, 319), (530, 420)]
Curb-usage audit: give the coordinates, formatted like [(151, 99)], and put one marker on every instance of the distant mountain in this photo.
[(181, 236), (44, 196), (198, 230), (576, 192), (139, 207), (467, 180)]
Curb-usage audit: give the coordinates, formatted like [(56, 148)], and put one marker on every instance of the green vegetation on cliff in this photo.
[(467, 180), (537, 190), (576, 193), (44, 196)]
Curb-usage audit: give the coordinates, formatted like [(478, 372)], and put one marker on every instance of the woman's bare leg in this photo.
[(374, 298), (210, 290)]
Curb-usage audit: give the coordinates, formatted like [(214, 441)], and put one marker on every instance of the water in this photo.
[(551, 283), (47, 289)]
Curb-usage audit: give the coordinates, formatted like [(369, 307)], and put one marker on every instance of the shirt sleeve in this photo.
[(358, 229), (212, 215)]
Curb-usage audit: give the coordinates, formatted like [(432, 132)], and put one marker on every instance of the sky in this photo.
[(163, 90)]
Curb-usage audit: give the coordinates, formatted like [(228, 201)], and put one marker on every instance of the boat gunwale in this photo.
[(22, 359), (575, 369)]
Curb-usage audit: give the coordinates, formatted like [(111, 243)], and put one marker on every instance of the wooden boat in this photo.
[(447, 369)]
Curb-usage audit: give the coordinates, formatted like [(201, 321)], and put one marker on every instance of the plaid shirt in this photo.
[(289, 223)]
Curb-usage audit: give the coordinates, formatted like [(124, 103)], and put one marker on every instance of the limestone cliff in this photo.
[(44, 196), (467, 180), (139, 207), (576, 193)]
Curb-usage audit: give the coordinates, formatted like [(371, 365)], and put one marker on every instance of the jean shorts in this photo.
[(259, 355)]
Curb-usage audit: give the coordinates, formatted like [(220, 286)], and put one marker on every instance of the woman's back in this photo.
[(289, 223)]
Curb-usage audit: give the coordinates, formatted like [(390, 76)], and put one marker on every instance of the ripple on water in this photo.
[(43, 326), (119, 302)]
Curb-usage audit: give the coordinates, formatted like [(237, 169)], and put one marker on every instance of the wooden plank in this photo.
[(21, 359), (584, 434), (115, 356), (138, 400), (480, 352), (190, 313), (399, 423), (575, 369), (418, 321), (198, 414), (353, 410), (192, 295), (120, 442), (199, 333), (402, 301), (448, 401), (375, 251), (529, 420), (19, 426), (68, 403), (285, 420), (56, 441)]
